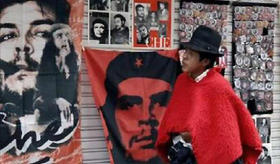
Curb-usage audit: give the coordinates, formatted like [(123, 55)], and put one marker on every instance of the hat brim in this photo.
[(190, 45)]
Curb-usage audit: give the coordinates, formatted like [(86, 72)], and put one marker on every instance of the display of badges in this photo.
[(212, 15), (253, 39)]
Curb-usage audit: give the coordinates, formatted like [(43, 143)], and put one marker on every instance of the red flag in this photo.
[(131, 90)]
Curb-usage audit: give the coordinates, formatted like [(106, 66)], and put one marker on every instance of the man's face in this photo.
[(191, 62), (62, 39), (143, 31), (98, 29), (161, 6), (263, 122), (140, 12), (118, 23), (23, 37), (142, 112)]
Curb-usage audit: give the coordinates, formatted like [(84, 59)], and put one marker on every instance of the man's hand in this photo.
[(66, 117), (2, 117), (21, 81), (186, 137)]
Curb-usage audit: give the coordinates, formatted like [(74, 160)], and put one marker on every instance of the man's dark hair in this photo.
[(105, 33), (139, 6), (61, 8), (120, 16), (212, 58)]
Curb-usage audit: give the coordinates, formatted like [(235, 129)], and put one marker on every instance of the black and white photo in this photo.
[(163, 10), (141, 13), (120, 5), (119, 29), (143, 35), (99, 4), (32, 101), (263, 125), (153, 20), (98, 28)]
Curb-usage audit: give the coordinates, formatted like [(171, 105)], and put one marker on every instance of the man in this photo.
[(204, 114), (138, 87), (22, 40), (163, 10), (120, 33), (140, 17), (143, 35)]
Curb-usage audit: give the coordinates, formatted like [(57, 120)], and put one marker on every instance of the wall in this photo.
[(93, 141)]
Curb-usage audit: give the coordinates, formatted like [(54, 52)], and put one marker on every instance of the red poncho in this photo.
[(221, 127)]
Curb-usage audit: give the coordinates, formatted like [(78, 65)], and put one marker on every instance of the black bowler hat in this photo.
[(204, 39)]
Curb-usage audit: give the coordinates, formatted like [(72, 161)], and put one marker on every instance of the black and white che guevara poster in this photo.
[(39, 73)]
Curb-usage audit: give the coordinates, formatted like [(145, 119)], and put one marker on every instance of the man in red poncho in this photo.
[(204, 113)]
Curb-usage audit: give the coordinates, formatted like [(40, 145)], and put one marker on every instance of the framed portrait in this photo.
[(99, 28), (264, 128), (152, 24)]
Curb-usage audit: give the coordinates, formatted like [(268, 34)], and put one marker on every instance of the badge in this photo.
[(246, 61), (268, 106), (238, 60), (245, 84), (253, 75), (253, 86), (237, 83), (261, 86), (260, 95), (244, 96), (269, 64), (269, 76)]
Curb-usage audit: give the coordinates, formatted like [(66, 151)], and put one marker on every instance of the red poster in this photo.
[(152, 24), (131, 90), (39, 75)]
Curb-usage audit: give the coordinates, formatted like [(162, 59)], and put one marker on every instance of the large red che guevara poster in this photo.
[(131, 90)]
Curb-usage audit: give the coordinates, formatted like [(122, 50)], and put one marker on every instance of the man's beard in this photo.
[(20, 78), (21, 81)]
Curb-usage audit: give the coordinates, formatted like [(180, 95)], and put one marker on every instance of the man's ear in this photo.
[(205, 62)]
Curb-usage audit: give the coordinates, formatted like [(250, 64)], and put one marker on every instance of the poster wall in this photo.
[(39, 75), (131, 91), (253, 44), (110, 23), (212, 14), (152, 24)]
